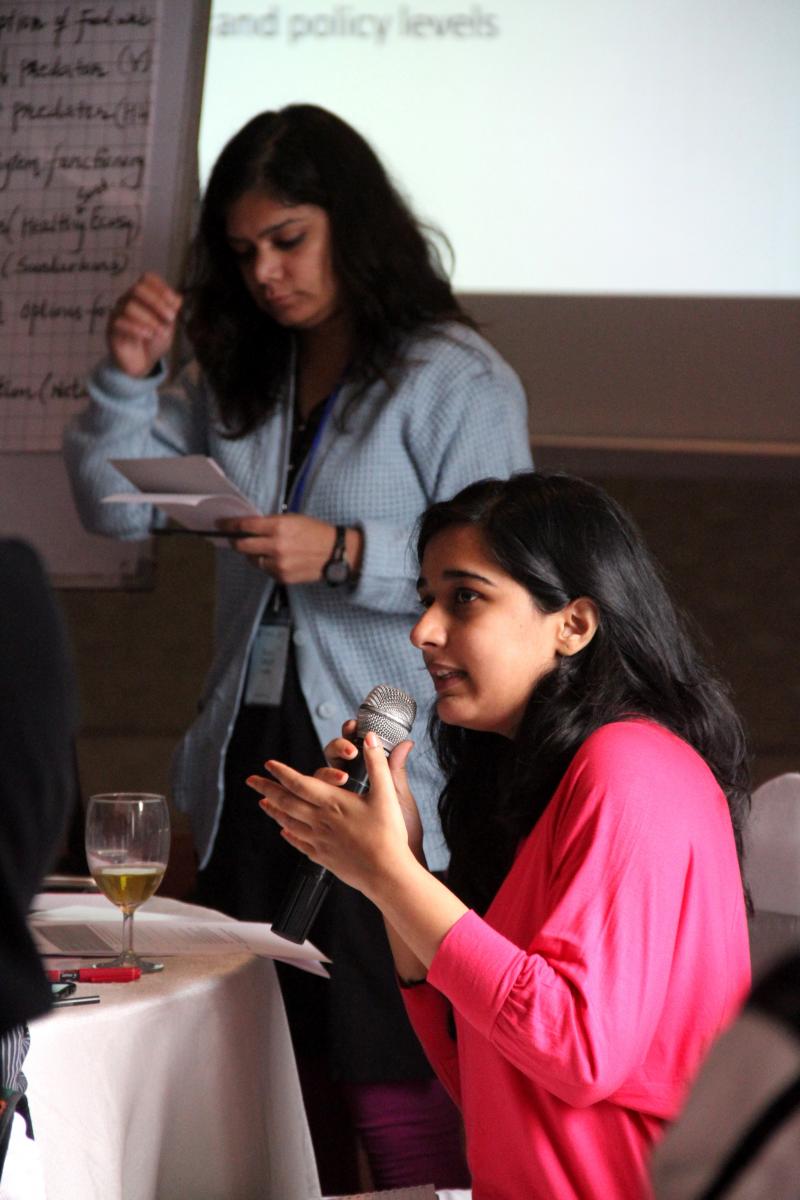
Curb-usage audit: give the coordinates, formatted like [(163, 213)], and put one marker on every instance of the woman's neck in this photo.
[(323, 355)]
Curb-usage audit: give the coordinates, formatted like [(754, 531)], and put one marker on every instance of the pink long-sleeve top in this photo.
[(585, 999)]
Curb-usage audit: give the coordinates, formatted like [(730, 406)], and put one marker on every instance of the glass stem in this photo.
[(127, 932)]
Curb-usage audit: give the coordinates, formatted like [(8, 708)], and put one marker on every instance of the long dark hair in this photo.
[(561, 538), (387, 266)]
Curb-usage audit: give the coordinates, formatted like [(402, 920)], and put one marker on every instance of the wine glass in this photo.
[(127, 846)]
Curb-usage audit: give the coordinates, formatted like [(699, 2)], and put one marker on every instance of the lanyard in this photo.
[(278, 600), (296, 498)]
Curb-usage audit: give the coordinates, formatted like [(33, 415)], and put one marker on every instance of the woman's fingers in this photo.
[(398, 759), (141, 324), (398, 766), (291, 546), (287, 809), (293, 781), (301, 796), (259, 544), (147, 306), (264, 526), (377, 762), (340, 751), (151, 294), (353, 835), (332, 775), (155, 294)]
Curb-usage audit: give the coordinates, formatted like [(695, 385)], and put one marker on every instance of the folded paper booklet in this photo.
[(88, 926), (190, 488)]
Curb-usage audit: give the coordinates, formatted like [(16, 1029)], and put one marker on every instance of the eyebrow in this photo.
[(457, 573), (267, 231)]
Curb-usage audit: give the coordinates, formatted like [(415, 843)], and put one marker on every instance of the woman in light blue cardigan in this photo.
[(341, 387)]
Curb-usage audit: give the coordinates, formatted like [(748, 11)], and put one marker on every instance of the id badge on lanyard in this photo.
[(269, 654)]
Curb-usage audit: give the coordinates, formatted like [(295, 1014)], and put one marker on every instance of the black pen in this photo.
[(216, 533), (69, 1000)]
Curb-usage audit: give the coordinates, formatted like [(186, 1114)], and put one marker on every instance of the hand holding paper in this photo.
[(192, 489)]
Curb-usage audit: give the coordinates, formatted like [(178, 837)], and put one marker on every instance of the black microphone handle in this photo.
[(309, 887), (311, 882)]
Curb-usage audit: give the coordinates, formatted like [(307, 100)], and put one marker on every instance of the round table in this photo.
[(182, 1084)]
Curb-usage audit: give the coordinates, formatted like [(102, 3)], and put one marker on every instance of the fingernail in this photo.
[(371, 740)]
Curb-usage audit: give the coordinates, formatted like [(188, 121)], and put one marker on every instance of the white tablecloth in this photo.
[(181, 1086)]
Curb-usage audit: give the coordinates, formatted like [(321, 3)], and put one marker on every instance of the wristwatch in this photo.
[(337, 569)]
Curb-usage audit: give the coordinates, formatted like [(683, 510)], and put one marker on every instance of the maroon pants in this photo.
[(410, 1132)]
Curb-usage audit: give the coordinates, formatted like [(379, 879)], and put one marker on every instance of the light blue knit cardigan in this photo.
[(456, 413)]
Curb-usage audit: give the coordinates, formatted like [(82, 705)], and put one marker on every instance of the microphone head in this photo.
[(389, 713)]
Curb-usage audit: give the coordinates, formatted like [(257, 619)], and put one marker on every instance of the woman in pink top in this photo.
[(591, 939)]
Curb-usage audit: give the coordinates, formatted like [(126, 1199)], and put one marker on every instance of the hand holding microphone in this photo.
[(342, 752), (386, 712), (299, 802)]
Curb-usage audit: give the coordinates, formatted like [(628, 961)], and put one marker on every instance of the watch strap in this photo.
[(337, 569)]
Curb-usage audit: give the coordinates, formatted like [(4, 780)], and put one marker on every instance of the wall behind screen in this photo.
[(620, 184), (641, 384)]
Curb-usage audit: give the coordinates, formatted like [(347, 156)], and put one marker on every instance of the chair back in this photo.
[(772, 845), (772, 870)]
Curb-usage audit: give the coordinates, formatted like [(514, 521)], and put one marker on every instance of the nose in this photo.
[(429, 630), (266, 264)]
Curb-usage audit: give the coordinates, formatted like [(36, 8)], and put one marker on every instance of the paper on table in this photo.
[(190, 488), (81, 930)]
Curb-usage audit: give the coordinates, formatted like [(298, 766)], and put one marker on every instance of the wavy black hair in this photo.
[(562, 538), (387, 265)]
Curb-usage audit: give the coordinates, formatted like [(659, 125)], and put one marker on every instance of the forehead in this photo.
[(459, 548), (256, 212)]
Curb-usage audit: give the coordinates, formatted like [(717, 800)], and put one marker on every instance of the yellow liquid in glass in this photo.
[(128, 887)]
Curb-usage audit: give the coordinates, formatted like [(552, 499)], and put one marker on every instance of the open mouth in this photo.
[(444, 677)]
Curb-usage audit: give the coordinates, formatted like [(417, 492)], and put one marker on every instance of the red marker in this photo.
[(95, 975)]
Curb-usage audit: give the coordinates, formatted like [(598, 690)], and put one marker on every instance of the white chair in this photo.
[(772, 869)]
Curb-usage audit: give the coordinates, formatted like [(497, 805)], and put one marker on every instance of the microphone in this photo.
[(390, 714)]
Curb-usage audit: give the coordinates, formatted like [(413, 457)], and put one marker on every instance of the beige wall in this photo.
[(140, 658)]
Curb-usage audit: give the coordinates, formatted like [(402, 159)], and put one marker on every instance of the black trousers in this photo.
[(356, 1020)]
